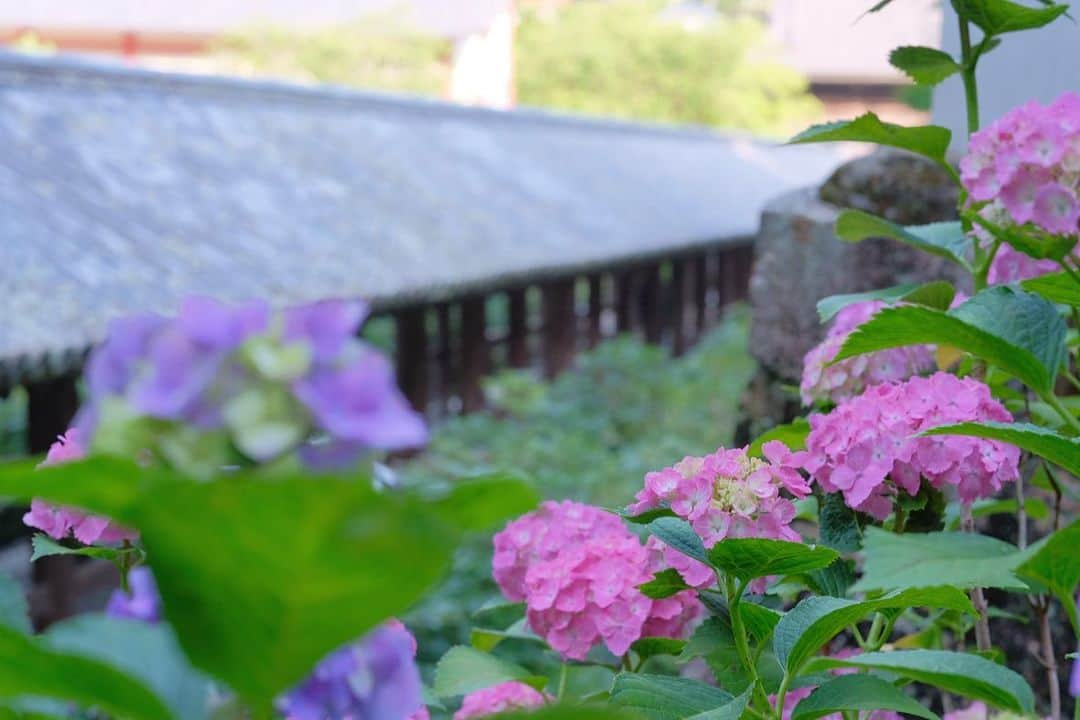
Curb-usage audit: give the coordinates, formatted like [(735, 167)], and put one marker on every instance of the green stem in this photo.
[(781, 694), (984, 269), (742, 645), (563, 671), (968, 60), (900, 517)]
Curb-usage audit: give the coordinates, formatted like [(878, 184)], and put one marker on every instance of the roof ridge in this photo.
[(74, 67)]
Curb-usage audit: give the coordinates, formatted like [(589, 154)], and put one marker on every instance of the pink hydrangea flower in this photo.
[(1025, 168), (847, 378), (58, 522), (975, 711), (866, 447), (1011, 265), (500, 698), (578, 568)]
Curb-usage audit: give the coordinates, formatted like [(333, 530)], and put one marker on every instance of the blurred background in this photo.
[(764, 66)]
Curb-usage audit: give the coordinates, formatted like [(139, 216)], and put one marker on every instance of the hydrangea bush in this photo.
[(224, 462)]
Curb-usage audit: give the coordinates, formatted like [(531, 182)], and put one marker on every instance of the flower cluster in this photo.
[(261, 381), (870, 440), (847, 378), (59, 522), (1011, 266), (500, 698), (578, 568), (1028, 163), (372, 679), (729, 494)]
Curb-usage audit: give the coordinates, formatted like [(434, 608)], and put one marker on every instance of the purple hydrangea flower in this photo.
[(326, 326), (361, 402), (141, 602), (113, 364), (373, 679)]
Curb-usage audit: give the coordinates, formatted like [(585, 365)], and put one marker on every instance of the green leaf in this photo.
[(793, 434), (648, 647), (29, 669), (938, 294), (648, 516), (664, 584), (679, 535), (960, 673), (914, 560), (149, 653), (1037, 440), (485, 502), (817, 620), (760, 621), (660, 697), (924, 65), (944, 239), (354, 557), (463, 670), (1056, 565), (44, 546), (834, 580), (14, 612), (487, 639), (858, 692), (838, 525), (731, 711), (929, 140), (1056, 287), (995, 17), (1019, 332), (749, 558)]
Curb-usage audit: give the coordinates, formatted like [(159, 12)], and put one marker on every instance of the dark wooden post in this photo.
[(474, 353), (626, 309), (681, 270), (746, 270), (444, 359), (701, 292), (729, 276), (596, 308), (51, 406), (517, 338), (560, 326), (652, 304), (412, 355)]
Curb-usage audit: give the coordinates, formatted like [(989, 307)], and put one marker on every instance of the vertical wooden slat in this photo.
[(412, 351), (51, 406), (651, 301), (444, 360), (560, 326), (596, 308), (518, 333), (729, 276), (475, 356), (746, 270), (680, 291), (701, 291), (626, 306)]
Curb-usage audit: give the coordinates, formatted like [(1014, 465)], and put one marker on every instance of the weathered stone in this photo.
[(799, 259)]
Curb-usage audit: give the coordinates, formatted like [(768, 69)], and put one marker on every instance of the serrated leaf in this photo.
[(27, 668), (1019, 332), (995, 17), (858, 692), (838, 525), (731, 711), (664, 584), (938, 294), (929, 140), (759, 620), (960, 673), (44, 546), (1056, 565), (648, 516), (792, 434), (1038, 440), (463, 670), (749, 558), (660, 697), (818, 619), (914, 560), (926, 66), (648, 647), (14, 612), (147, 652), (1056, 287), (678, 534), (944, 239)]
